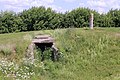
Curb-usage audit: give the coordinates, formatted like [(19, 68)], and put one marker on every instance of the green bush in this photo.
[(40, 18)]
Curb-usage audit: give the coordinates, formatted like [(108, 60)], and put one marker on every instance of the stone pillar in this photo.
[(30, 52), (54, 52), (91, 21)]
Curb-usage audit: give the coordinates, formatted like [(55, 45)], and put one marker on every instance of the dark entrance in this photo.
[(43, 47), (44, 42)]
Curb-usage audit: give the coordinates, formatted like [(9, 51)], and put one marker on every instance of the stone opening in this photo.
[(43, 42), (43, 46)]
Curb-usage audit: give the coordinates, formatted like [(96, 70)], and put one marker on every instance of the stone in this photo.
[(30, 52), (91, 21), (43, 39), (42, 42), (55, 52), (42, 36)]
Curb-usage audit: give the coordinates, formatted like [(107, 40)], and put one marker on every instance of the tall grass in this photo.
[(85, 54)]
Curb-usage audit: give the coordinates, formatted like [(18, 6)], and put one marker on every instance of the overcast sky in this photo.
[(101, 6)]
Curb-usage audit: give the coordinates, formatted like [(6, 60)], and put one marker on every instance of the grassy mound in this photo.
[(85, 55)]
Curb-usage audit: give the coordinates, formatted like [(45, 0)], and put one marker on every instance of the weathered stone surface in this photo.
[(91, 21), (30, 52), (49, 40), (43, 39), (42, 36), (55, 52)]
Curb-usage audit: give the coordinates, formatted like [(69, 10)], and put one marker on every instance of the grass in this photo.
[(85, 54)]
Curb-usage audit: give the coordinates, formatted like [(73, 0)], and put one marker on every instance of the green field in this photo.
[(85, 55)]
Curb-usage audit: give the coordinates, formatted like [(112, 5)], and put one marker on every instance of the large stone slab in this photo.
[(42, 36), (43, 39)]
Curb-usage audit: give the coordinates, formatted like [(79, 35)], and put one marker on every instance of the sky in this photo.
[(102, 6)]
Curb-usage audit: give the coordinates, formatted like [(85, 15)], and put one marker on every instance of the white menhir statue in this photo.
[(91, 21)]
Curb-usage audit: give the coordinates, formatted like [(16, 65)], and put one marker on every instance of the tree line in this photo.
[(41, 18)]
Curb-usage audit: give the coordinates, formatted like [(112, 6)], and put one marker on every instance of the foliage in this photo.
[(41, 18)]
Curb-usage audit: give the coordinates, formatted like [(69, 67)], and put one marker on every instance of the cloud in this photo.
[(19, 5), (98, 3), (102, 6), (70, 0)]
